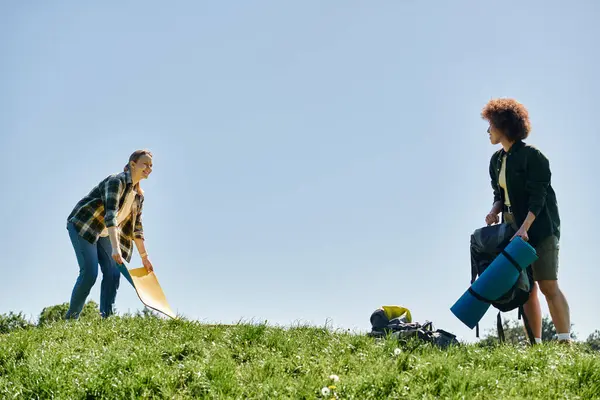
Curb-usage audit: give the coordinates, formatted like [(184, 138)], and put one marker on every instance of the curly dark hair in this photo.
[(509, 116)]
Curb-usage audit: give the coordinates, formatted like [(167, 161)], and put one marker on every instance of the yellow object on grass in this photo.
[(148, 289), (392, 312)]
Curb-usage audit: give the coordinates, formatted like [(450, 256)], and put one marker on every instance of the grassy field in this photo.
[(136, 357)]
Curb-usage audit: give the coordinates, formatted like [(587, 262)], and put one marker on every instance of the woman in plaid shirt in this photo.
[(103, 227)]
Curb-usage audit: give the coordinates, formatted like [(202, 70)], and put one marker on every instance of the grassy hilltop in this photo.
[(136, 357)]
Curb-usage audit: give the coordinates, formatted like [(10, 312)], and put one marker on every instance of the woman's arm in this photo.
[(113, 235), (138, 233), (492, 216), (496, 208), (110, 200), (537, 182), (139, 243), (141, 247), (494, 182)]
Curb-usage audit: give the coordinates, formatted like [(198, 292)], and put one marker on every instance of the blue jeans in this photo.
[(89, 256)]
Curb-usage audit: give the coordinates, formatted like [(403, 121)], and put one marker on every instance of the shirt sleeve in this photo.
[(110, 199), (538, 180), (138, 229), (494, 179)]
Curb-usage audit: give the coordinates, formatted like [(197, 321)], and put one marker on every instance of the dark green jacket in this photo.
[(529, 187)]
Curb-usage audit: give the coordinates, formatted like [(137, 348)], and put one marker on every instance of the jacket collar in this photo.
[(129, 181), (515, 147), (128, 177)]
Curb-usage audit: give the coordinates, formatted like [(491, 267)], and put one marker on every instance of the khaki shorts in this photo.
[(546, 266)]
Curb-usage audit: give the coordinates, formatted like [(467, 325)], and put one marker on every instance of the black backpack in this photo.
[(486, 244), (405, 331)]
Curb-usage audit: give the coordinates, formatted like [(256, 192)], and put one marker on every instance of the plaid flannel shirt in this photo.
[(99, 209)]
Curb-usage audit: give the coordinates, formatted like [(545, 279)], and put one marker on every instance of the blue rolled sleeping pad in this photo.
[(497, 279)]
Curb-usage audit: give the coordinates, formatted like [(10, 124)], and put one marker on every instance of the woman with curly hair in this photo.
[(520, 177)]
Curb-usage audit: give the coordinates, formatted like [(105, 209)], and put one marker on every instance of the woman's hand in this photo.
[(522, 233), (117, 257), (147, 264), (492, 218), (114, 243)]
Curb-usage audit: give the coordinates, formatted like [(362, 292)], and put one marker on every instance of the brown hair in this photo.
[(135, 156), (509, 116)]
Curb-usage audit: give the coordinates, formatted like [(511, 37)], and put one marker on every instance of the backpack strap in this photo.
[(527, 326), (500, 328), (474, 274)]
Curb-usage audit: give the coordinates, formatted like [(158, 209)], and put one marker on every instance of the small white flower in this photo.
[(334, 378), (397, 351), (325, 391)]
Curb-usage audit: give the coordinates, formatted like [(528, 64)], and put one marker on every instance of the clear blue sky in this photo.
[(312, 161)]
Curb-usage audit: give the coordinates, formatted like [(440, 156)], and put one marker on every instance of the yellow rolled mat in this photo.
[(148, 289)]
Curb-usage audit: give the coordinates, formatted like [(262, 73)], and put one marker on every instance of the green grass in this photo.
[(134, 357)]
